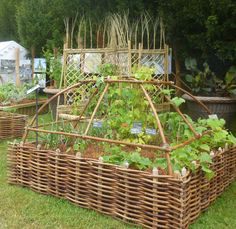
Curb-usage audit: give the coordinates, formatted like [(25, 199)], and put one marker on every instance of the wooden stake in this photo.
[(17, 67), (96, 108)]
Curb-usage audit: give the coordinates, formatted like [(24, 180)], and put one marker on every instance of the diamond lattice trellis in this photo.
[(81, 64)]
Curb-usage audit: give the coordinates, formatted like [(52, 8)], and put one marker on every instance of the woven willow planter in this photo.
[(153, 201), (11, 125), (28, 108), (224, 107)]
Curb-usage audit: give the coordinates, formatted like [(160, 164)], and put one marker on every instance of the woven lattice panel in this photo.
[(84, 64)]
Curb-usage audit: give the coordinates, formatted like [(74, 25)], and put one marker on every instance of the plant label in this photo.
[(136, 130), (33, 89), (213, 116), (97, 124), (137, 125), (151, 131)]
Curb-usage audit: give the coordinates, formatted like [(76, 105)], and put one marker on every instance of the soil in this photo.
[(94, 151)]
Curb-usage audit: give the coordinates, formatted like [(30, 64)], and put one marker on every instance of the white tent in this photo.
[(8, 55)]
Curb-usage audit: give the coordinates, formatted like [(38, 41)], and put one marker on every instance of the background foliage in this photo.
[(203, 29)]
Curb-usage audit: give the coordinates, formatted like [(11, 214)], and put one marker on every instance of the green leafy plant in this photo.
[(54, 71), (204, 82)]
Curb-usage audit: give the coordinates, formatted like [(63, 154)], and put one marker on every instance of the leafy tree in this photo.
[(7, 19), (202, 29)]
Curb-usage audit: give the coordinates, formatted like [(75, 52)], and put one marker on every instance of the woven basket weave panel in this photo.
[(154, 202), (101, 184), (11, 125), (57, 174), (130, 195), (77, 187), (39, 171), (179, 202)]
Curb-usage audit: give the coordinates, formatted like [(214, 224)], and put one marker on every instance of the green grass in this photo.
[(23, 208)]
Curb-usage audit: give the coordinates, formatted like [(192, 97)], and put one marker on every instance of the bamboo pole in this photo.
[(96, 108), (32, 62), (17, 67), (98, 139), (129, 59), (85, 107), (166, 63), (140, 48), (165, 144), (155, 114), (189, 140), (183, 117)]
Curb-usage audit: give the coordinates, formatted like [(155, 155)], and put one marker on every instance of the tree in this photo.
[(202, 29), (7, 19)]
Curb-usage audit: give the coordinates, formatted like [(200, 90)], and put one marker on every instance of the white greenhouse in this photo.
[(9, 51)]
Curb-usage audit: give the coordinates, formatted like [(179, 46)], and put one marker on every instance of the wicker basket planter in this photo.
[(26, 108), (224, 107), (153, 201), (11, 125)]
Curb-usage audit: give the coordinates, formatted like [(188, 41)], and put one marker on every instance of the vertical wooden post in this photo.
[(140, 49), (129, 58), (166, 63), (32, 62), (17, 67)]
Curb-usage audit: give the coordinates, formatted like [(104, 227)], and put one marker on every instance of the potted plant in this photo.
[(219, 95)]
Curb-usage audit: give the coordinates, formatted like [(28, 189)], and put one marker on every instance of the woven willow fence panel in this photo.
[(153, 201), (11, 125)]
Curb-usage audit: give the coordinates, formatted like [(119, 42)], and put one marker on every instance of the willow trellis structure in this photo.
[(146, 198), (83, 64)]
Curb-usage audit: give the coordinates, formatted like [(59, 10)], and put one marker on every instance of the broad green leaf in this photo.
[(177, 101), (204, 147), (205, 157)]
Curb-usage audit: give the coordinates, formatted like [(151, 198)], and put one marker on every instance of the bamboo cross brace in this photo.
[(193, 97), (98, 139), (96, 108), (163, 138), (165, 144), (183, 117)]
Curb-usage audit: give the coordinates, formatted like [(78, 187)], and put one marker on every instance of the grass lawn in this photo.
[(22, 208)]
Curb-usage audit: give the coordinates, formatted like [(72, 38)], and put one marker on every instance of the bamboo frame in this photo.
[(164, 147)]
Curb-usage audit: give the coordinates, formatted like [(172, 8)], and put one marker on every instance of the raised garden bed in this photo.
[(11, 125), (26, 108), (140, 197)]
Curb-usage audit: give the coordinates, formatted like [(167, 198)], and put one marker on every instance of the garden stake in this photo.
[(96, 108)]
